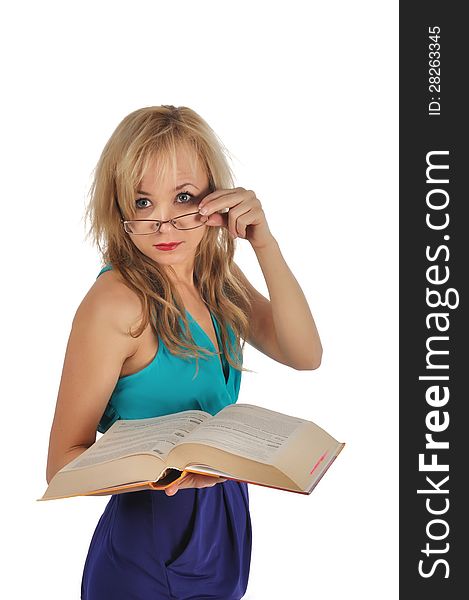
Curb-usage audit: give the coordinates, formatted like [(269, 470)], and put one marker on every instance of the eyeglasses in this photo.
[(148, 226)]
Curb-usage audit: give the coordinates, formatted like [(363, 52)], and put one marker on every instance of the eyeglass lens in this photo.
[(142, 227)]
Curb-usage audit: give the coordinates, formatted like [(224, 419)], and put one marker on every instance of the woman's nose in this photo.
[(166, 227)]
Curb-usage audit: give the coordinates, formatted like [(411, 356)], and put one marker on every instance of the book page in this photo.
[(133, 436), (247, 430)]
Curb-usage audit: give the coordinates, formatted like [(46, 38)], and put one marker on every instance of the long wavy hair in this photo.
[(153, 135)]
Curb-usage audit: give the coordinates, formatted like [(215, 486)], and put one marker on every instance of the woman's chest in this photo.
[(147, 346)]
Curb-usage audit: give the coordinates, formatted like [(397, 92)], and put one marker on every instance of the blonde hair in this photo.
[(153, 134)]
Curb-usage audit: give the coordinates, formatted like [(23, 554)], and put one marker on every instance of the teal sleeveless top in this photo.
[(168, 384)]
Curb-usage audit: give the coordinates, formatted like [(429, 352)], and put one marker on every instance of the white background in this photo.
[(304, 96)]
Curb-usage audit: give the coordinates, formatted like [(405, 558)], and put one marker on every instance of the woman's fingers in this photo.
[(194, 480), (216, 219)]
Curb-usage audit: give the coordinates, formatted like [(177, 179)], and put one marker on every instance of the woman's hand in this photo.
[(193, 480), (245, 217)]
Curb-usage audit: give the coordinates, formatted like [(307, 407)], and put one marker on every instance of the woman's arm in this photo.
[(97, 348), (282, 328)]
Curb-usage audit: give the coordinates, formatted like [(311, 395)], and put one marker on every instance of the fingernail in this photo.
[(203, 211)]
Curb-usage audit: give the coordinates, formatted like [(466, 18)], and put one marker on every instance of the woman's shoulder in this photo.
[(109, 296)]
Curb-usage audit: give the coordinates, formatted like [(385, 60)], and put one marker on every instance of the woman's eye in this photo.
[(190, 197), (186, 198), (141, 200)]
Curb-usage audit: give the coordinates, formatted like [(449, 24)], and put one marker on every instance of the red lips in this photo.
[(167, 246)]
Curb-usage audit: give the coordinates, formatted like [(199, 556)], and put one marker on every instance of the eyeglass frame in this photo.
[(124, 221)]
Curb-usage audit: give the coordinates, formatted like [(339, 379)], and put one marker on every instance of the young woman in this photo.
[(160, 332)]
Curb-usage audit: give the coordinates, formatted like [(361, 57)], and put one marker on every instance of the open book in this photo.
[(242, 442)]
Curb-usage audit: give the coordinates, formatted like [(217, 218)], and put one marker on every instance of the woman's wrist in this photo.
[(271, 242)]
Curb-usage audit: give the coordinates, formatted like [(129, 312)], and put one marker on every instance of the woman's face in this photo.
[(158, 199)]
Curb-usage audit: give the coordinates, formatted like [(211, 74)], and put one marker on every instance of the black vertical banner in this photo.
[(434, 268)]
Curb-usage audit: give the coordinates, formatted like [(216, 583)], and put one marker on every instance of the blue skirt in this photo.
[(195, 545)]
